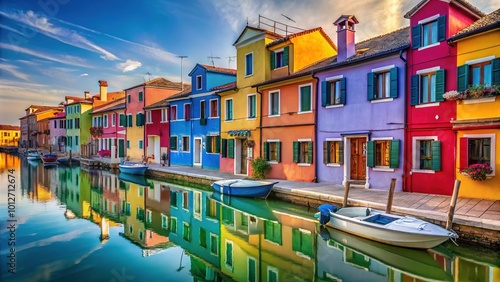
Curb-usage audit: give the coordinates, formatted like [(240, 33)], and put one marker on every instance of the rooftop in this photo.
[(9, 127), (485, 23), (473, 9), (163, 103), (159, 82)]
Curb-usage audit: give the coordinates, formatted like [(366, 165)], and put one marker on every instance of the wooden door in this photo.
[(358, 158), (244, 155)]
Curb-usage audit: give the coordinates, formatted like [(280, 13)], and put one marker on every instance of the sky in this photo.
[(53, 48)]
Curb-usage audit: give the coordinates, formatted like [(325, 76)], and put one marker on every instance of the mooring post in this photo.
[(347, 185), (453, 204), (388, 208)]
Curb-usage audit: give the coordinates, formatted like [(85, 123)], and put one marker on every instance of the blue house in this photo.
[(194, 118)]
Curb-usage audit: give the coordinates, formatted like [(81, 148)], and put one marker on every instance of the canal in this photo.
[(72, 224)]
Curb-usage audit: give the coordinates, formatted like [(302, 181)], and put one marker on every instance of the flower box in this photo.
[(478, 172)]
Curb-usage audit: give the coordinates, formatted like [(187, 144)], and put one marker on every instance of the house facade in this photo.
[(43, 136), (430, 140), (108, 125), (57, 127), (360, 123), (78, 123), (288, 104), (9, 135), (477, 124), (158, 132)]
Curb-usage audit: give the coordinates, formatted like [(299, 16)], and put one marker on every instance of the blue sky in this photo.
[(53, 48)]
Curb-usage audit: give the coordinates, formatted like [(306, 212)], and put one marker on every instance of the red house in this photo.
[(430, 140)]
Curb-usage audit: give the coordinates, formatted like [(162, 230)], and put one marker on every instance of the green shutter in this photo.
[(230, 148), (224, 148), (341, 152), (273, 59), (394, 83), (217, 144), (495, 72), (129, 121), (415, 36), (305, 98), (295, 239), (325, 90), (138, 119), (266, 150), (109, 144), (295, 152), (278, 153), (441, 28), (326, 152), (370, 153), (173, 143), (414, 99), (462, 78), (371, 86), (208, 144), (140, 96), (343, 86), (310, 151), (286, 56), (123, 120), (440, 85), (436, 155), (394, 154)]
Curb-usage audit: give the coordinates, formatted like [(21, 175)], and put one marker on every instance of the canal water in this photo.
[(72, 224)]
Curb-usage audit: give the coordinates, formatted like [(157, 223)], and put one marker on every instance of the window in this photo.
[(112, 119), (272, 231), (274, 103), (123, 120), (272, 274), (427, 87), (251, 270), (164, 115), (382, 153), (303, 152), (302, 241), (333, 92), (214, 105), (212, 144), (272, 151), (139, 119), (149, 215), (148, 117), (333, 152), (185, 143), (229, 254), (279, 58), (203, 237), (99, 121), (480, 74), (198, 82), (173, 199), (129, 120), (249, 64), (173, 225), (140, 144), (173, 143), (128, 98), (229, 109), (173, 113), (105, 119), (214, 244), (186, 232), (227, 216), (139, 214), (477, 149), (164, 221), (426, 153), (383, 85), (140, 96), (55, 123), (197, 204), (77, 123), (203, 109), (187, 111), (251, 106), (429, 32), (76, 140), (484, 71), (128, 144), (305, 98)]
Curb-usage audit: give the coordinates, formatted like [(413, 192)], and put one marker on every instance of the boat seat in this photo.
[(380, 219)]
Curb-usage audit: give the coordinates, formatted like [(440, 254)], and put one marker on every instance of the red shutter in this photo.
[(464, 152)]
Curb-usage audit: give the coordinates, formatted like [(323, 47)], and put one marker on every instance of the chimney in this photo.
[(87, 94), (345, 37), (103, 90)]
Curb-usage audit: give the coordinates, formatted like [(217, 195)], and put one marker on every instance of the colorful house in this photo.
[(195, 119), (29, 123), (57, 128), (158, 131), (111, 135), (477, 125), (43, 136), (78, 121), (138, 97), (9, 135), (360, 121), (432, 70), (288, 104)]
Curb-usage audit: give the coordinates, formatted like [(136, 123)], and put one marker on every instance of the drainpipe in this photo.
[(316, 129), (144, 131), (405, 131), (260, 122)]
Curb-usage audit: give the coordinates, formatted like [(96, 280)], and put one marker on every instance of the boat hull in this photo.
[(132, 168), (244, 188), (49, 159)]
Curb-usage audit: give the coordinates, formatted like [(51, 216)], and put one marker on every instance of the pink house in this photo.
[(57, 127), (112, 139)]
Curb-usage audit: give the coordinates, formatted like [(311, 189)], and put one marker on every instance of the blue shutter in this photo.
[(394, 154), (286, 56), (462, 77), (273, 59), (414, 90), (495, 72), (415, 36), (436, 155), (440, 85), (394, 83), (441, 28), (371, 86), (343, 84), (325, 85), (370, 153)]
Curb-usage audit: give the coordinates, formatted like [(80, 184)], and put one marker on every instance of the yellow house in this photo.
[(9, 135), (478, 116)]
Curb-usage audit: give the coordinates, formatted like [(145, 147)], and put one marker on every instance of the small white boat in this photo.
[(33, 155), (403, 231), (244, 188)]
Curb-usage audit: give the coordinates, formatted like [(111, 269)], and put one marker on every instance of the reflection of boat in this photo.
[(243, 188), (33, 155), (257, 208), (415, 263), (133, 168), (49, 159), (386, 228), (33, 162), (68, 161), (136, 179)]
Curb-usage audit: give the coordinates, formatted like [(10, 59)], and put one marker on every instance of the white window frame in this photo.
[(248, 106), (177, 142), (225, 108), (105, 121), (248, 268), (167, 221), (149, 119), (164, 115), (270, 105), (299, 111), (282, 50), (272, 141), (189, 142), (415, 153), (205, 108), (140, 143), (422, 22), (200, 85), (210, 108), (217, 237), (272, 269), (113, 120), (493, 143), (197, 215), (252, 64), (335, 140), (172, 118), (382, 168)]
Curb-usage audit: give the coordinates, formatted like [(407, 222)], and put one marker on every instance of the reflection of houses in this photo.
[(69, 189)]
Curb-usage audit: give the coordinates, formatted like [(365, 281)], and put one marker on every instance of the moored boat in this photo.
[(403, 231), (133, 168), (49, 159), (33, 155), (244, 188)]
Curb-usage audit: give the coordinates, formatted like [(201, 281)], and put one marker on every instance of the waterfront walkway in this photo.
[(469, 212)]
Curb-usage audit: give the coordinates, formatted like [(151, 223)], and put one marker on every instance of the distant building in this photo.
[(9, 135)]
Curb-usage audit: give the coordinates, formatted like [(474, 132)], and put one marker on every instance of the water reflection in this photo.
[(181, 233)]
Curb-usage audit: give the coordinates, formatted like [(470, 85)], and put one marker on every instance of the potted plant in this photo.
[(477, 172)]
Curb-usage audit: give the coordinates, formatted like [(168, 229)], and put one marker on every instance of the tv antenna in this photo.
[(182, 85), (230, 59), (211, 58), (149, 76), (288, 18)]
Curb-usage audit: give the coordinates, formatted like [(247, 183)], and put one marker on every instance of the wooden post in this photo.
[(388, 208), (346, 193), (453, 204)]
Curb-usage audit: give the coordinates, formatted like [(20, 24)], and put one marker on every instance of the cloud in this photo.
[(83, 74), (10, 29), (12, 69), (129, 65)]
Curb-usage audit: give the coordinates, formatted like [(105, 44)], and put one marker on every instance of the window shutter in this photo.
[(305, 99), (394, 154), (173, 143), (208, 144), (278, 153), (286, 55), (217, 144), (341, 152), (123, 120), (495, 72), (310, 151), (129, 122), (394, 83), (273, 59), (436, 155), (415, 36), (295, 152), (343, 83), (140, 96), (295, 239), (138, 119), (441, 28), (224, 148), (371, 86), (266, 150), (325, 87), (462, 77), (440, 81), (326, 152), (414, 90), (370, 153), (464, 152), (230, 148)]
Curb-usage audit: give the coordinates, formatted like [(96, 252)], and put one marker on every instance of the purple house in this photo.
[(57, 127), (361, 109)]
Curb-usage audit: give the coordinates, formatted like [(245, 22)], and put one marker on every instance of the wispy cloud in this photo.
[(64, 59), (14, 70), (129, 65), (10, 29), (83, 74)]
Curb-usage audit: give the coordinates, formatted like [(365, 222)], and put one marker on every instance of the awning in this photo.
[(240, 133)]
